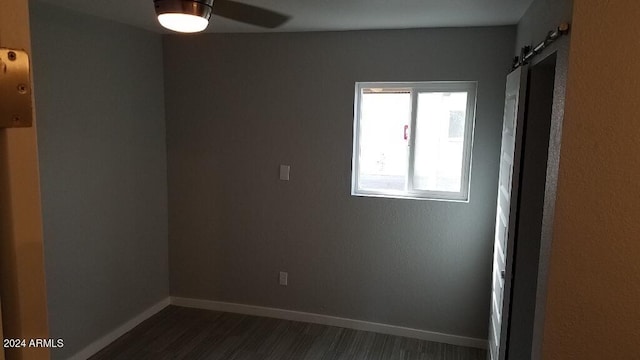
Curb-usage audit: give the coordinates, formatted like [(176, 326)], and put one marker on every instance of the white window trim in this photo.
[(414, 88)]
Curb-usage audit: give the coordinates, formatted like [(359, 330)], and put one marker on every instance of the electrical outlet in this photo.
[(284, 172), (284, 278)]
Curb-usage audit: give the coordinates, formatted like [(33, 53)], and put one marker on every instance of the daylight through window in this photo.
[(413, 140)]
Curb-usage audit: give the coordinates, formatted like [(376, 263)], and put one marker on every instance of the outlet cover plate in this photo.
[(284, 278)]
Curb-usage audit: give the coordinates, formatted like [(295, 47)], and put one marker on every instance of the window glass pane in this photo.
[(383, 147), (439, 142)]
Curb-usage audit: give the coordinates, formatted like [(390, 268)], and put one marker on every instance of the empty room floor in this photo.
[(185, 333)]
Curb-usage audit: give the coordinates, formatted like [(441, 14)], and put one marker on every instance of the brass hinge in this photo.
[(15, 89)]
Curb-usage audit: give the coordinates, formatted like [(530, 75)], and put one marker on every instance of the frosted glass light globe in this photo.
[(184, 23)]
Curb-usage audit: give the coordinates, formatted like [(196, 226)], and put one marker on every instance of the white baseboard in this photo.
[(101, 343), (330, 321)]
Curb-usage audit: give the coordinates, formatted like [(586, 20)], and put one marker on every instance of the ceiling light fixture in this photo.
[(187, 16)]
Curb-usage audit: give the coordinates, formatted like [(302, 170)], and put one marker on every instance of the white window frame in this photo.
[(470, 87)]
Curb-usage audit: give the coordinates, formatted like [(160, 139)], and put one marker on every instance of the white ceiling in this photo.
[(319, 15)]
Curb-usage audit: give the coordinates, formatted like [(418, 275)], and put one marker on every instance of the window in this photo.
[(413, 140)]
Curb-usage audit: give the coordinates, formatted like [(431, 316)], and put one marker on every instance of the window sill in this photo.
[(406, 196)]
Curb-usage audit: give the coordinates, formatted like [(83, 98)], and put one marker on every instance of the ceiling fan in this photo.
[(193, 15)]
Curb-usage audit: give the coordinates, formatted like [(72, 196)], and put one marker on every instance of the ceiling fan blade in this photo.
[(249, 14)]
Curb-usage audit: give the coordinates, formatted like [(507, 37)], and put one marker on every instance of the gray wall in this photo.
[(542, 17), (240, 105), (100, 110)]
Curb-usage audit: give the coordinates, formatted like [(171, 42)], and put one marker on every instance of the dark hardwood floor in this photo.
[(183, 333)]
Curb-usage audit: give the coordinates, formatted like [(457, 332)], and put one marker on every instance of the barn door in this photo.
[(506, 215), (1, 334), (22, 280)]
